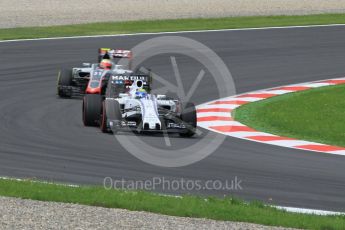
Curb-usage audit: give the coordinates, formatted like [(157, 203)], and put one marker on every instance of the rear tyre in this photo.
[(113, 112), (188, 116), (92, 105), (65, 83)]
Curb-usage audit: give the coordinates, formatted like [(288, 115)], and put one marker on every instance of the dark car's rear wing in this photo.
[(115, 55)]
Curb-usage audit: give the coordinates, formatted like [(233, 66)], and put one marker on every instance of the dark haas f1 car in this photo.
[(76, 81), (126, 104)]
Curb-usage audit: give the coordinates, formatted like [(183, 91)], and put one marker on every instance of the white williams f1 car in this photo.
[(128, 105)]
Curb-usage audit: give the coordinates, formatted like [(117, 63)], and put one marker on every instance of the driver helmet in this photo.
[(106, 64), (141, 93)]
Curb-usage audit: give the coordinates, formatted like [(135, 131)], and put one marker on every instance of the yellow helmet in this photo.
[(141, 90)]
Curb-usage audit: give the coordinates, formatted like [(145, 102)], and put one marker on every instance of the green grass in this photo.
[(188, 206), (314, 115), (169, 25)]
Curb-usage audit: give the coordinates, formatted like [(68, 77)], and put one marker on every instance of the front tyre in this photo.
[(64, 83), (113, 114), (188, 116), (111, 111), (104, 120), (92, 105)]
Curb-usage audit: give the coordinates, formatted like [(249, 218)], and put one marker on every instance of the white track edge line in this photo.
[(174, 32)]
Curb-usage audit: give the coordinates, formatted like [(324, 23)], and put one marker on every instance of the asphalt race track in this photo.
[(42, 136)]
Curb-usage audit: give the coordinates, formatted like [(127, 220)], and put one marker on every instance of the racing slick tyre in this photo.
[(65, 83), (92, 105), (112, 112), (104, 119), (188, 116)]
